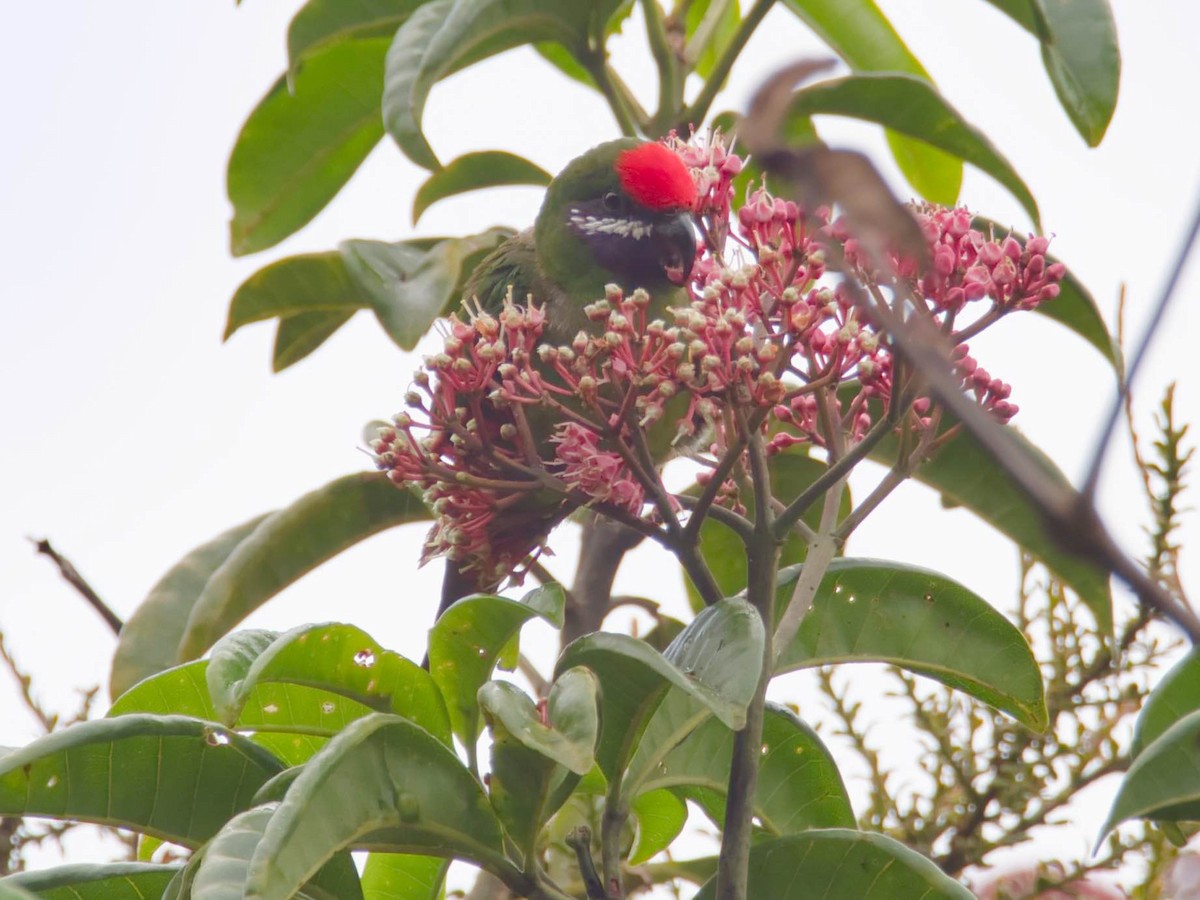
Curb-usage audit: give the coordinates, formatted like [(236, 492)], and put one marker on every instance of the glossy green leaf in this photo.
[(530, 757), (443, 36), (872, 610), (1074, 307), (659, 817), (384, 783), (104, 881), (320, 24), (466, 641), (568, 737), (1177, 695), (724, 551), (407, 288), (861, 35), (312, 283), (289, 543), (1080, 52), (839, 862), (221, 874), (402, 876), (149, 640), (564, 60), (473, 171), (298, 336), (799, 786), (342, 661), (965, 474), (715, 661), (292, 721), (299, 147), (176, 778), (1163, 782), (911, 105)]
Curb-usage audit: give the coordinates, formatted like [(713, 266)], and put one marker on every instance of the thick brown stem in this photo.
[(605, 543)]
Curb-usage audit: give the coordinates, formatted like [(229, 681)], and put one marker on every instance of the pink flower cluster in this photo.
[(514, 432)]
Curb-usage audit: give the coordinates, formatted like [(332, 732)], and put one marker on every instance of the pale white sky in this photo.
[(131, 434)]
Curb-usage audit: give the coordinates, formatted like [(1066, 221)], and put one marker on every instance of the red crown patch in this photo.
[(656, 178)]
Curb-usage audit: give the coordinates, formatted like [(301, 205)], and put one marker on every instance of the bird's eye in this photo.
[(612, 202)]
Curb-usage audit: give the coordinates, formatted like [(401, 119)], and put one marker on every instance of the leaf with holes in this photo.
[(341, 661), (289, 543), (173, 777), (919, 620)]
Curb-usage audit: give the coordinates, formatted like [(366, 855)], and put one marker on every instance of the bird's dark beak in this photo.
[(676, 241)]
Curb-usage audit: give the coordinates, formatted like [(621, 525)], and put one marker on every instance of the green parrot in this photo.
[(618, 214)]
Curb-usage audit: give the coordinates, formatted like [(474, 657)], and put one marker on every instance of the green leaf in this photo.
[(225, 864), (799, 786), (9, 890), (383, 783), (723, 550), (466, 641), (322, 23), (911, 105), (396, 876), (568, 737), (312, 283), (299, 147), (1080, 52), (660, 816), (719, 38), (290, 720), (872, 610), (838, 862), (1163, 782), (148, 641), (173, 777), (299, 335), (408, 289), (444, 36), (715, 661), (291, 542), (342, 661), (104, 881), (1074, 307), (530, 757), (861, 35), (963, 472), (1173, 698), (473, 171)]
